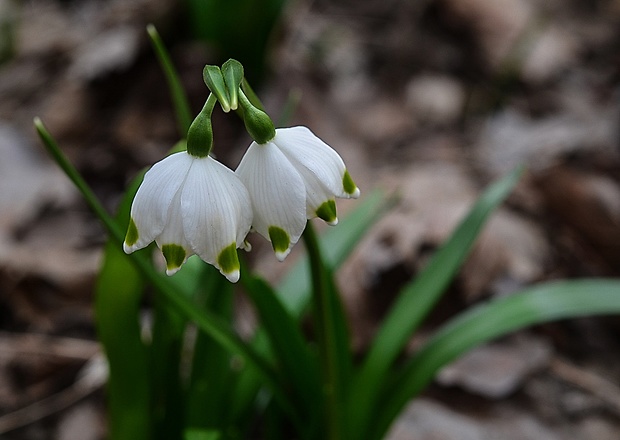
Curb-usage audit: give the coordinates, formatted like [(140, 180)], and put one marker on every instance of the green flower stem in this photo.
[(206, 321), (179, 98), (325, 328), (251, 95)]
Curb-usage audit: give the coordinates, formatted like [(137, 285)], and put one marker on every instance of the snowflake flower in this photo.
[(191, 205), (291, 178)]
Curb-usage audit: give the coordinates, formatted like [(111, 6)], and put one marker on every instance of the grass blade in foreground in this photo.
[(118, 293), (294, 291), (414, 303), (299, 367), (539, 304), (332, 340)]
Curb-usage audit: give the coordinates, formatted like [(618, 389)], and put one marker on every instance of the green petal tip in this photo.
[(327, 212), (228, 263), (175, 256), (280, 241)]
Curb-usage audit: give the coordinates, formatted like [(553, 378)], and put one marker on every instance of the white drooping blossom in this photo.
[(191, 205), (293, 177)]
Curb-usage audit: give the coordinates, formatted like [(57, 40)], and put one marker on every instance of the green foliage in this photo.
[(240, 29)]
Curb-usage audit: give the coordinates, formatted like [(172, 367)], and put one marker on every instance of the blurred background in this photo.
[(432, 99)]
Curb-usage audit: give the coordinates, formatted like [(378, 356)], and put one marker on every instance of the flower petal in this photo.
[(278, 195), (172, 241), (323, 166), (217, 213), (151, 206)]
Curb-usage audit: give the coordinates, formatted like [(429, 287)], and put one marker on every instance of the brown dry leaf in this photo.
[(497, 370), (589, 204)]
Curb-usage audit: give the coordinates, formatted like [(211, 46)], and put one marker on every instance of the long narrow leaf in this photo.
[(118, 293), (294, 291), (336, 243), (333, 342), (414, 303), (539, 304), (299, 368), (212, 376)]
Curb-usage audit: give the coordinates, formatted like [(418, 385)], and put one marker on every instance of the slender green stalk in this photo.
[(206, 321), (78, 181), (177, 92), (325, 329)]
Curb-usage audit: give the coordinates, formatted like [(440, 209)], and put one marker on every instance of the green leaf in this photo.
[(118, 293), (337, 243), (202, 434), (535, 305), (294, 291), (208, 399), (414, 303), (329, 327), (299, 369)]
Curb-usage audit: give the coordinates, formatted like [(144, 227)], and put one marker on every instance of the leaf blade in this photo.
[(413, 304), (539, 304)]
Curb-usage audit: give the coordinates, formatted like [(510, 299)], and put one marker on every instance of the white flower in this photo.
[(191, 205), (292, 178)]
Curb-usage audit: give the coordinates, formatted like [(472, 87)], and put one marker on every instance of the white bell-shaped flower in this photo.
[(191, 205), (291, 178)]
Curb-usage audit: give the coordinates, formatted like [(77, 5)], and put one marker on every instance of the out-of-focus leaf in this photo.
[(294, 290), (539, 304), (212, 374), (414, 303), (336, 243), (331, 336), (118, 294), (202, 434), (299, 369), (240, 29)]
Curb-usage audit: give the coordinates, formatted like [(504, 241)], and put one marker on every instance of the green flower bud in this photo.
[(258, 124), (200, 133)]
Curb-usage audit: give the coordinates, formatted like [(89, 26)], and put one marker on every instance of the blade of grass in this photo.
[(212, 375), (299, 368), (167, 391), (414, 303), (333, 343), (207, 322), (118, 293), (294, 291), (539, 304), (182, 109), (336, 243)]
